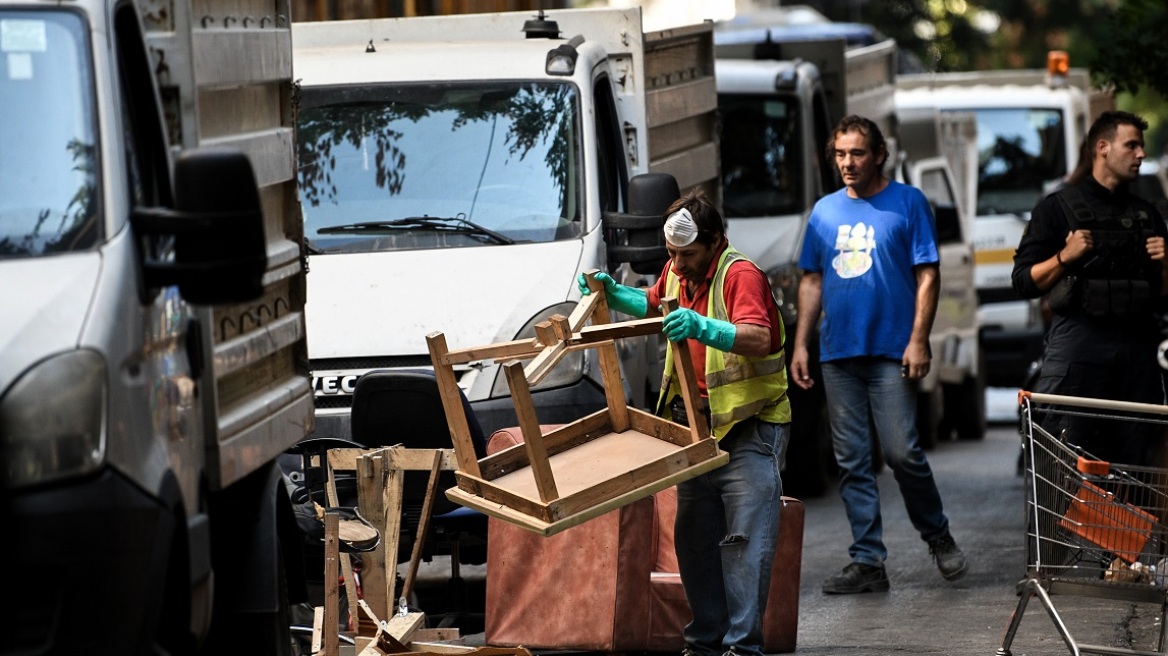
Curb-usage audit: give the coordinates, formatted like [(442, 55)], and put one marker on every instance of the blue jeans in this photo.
[(853, 388), (725, 535)]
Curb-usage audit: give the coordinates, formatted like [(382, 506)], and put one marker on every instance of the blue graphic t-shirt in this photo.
[(866, 249)]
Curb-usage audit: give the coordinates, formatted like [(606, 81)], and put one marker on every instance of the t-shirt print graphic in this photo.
[(855, 245)]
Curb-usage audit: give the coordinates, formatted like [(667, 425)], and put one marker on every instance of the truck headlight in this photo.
[(568, 370), (52, 420)]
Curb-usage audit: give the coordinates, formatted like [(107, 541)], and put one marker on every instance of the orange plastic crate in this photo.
[(1099, 518)]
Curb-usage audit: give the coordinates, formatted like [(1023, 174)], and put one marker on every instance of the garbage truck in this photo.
[(153, 361), (1030, 127), (458, 173)]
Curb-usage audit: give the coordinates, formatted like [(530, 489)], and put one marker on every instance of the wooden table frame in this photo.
[(595, 464)]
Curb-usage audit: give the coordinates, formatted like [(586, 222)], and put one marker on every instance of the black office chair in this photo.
[(405, 407)]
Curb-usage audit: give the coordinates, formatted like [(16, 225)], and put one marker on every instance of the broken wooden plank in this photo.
[(402, 627), (423, 527), (440, 634), (331, 638), (400, 456), (439, 648), (346, 563)]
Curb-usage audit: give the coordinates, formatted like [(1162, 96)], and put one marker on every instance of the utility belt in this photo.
[(679, 414)]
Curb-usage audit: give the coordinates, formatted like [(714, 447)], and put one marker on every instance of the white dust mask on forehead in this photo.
[(680, 229)]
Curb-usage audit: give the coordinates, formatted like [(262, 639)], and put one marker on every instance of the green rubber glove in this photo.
[(622, 298), (687, 324)]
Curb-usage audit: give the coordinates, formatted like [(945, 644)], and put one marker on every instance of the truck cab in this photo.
[(459, 173), (1030, 126), (149, 350)]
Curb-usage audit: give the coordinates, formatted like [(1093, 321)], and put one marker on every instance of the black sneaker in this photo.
[(949, 558), (857, 577)]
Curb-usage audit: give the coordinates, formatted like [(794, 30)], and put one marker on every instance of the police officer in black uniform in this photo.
[(1099, 251)]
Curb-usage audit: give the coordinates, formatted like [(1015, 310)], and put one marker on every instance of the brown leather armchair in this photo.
[(611, 583)]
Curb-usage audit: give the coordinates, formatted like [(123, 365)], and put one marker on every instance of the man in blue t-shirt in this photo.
[(870, 264)]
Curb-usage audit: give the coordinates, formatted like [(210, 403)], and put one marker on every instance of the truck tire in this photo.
[(929, 407), (258, 634), (965, 411), (251, 612), (810, 459)]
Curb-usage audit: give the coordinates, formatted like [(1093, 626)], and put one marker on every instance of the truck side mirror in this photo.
[(219, 252), (636, 237)]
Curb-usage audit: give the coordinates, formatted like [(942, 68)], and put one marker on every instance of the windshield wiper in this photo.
[(455, 224)]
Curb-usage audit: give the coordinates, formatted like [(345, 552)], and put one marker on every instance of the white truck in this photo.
[(939, 156), (781, 90), (1030, 127), (152, 352), (457, 173)]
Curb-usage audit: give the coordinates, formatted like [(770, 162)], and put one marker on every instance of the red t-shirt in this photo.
[(748, 300)]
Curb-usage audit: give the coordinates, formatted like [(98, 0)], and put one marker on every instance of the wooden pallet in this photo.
[(595, 464)]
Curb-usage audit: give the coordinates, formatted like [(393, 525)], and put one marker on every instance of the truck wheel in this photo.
[(965, 411), (810, 458), (929, 425), (266, 634)]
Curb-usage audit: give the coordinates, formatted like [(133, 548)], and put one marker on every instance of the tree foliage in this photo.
[(1122, 42), (1136, 52)]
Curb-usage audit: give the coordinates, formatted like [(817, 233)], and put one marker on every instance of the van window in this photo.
[(762, 156), (935, 185), (503, 157), (48, 136)]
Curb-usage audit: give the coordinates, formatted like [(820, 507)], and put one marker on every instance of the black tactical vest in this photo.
[(1117, 278)]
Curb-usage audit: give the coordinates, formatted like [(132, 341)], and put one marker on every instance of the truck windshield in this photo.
[(761, 157), (502, 157), (48, 142), (1020, 152)]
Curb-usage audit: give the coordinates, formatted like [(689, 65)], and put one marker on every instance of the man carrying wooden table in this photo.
[(728, 518)]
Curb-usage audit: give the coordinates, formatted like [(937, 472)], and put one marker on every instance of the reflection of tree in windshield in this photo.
[(1008, 165), (76, 227), (321, 128), (532, 112), (1020, 151), (532, 124)]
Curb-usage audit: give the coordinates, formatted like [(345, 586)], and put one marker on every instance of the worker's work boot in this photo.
[(856, 578), (949, 558)]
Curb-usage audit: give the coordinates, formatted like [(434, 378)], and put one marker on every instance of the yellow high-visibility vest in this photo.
[(739, 387)]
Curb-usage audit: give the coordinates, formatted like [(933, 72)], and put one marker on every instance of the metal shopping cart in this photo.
[(1093, 528)]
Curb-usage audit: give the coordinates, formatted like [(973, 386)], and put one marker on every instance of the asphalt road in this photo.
[(923, 614)]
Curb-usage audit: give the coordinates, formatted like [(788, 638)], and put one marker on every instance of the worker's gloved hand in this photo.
[(683, 323), (622, 298)]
